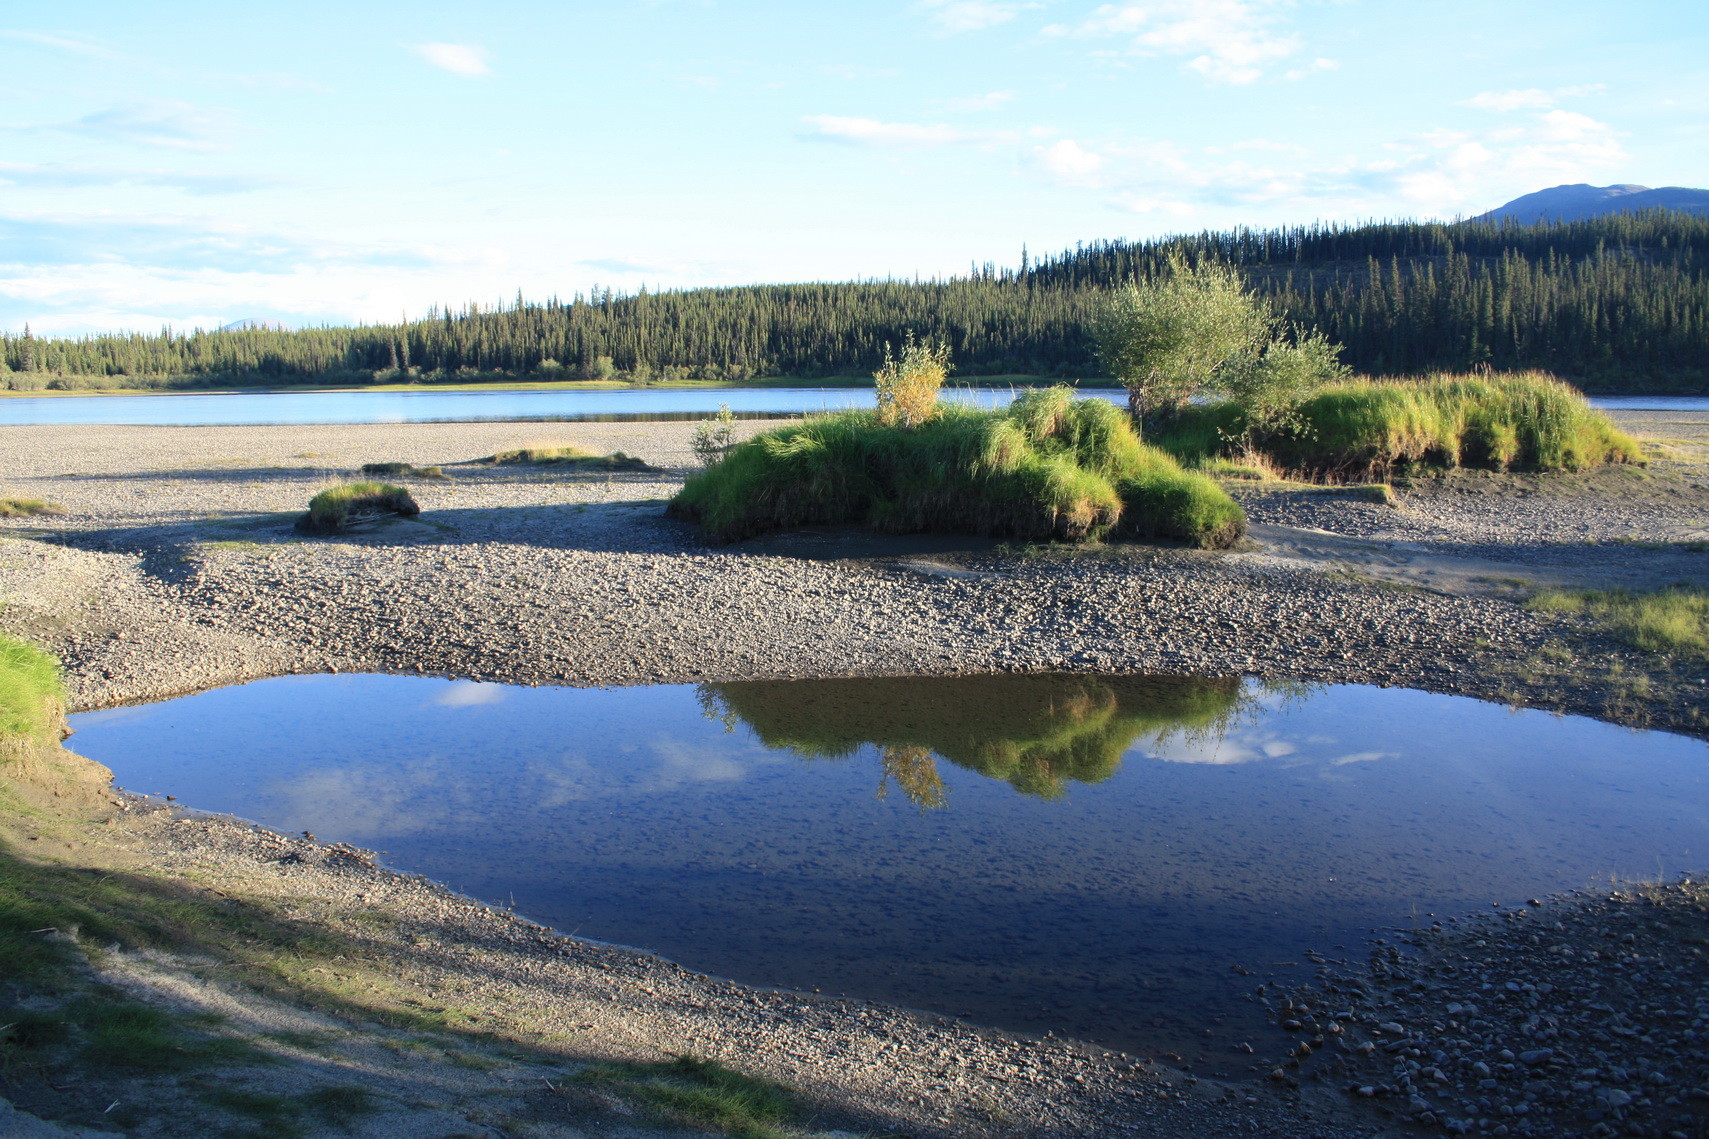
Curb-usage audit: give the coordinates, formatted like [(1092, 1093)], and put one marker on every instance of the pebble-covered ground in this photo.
[(175, 567)]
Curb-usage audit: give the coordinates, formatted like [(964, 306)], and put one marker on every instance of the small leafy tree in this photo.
[(1271, 390), (1181, 334), (714, 437), (908, 384)]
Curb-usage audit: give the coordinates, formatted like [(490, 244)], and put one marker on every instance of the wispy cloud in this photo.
[(161, 123), (62, 41), (990, 101), (459, 59), (874, 132), (1529, 98), (973, 15), (61, 177), (1225, 41)]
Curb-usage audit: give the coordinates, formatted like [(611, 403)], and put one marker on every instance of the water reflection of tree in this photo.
[(1037, 733)]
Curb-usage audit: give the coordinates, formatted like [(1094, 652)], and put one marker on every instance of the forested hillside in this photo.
[(1614, 303)]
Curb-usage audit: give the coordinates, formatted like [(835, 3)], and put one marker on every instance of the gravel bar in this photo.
[(176, 568)]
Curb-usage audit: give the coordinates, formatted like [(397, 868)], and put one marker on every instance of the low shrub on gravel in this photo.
[(27, 507), (339, 508), (1049, 467), (1672, 620), (1360, 429), (572, 456)]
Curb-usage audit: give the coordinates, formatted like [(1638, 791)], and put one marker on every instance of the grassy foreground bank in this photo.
[(1049, 467), (141, 1000)]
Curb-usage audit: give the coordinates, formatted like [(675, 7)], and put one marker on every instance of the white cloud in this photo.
[(973, 15), (1314, 67), (1226, 41), (1518, 100), (1440, 173), (990, 101), (459, 59), (1069, 162), (873, 132), (161, 123), (1530, 98)]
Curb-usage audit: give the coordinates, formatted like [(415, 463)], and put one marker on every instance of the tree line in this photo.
[(1615, 302)]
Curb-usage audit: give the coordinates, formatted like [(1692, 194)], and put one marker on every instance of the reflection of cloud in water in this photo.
[(437, 794), (469, 693), (1256, 746), (1364, 757), (680, 764), (369, 801)]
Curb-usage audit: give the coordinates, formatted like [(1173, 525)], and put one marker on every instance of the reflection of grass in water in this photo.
[(1034, 732)]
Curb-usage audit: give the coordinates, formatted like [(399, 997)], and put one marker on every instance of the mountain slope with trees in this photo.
[(1613, 303)]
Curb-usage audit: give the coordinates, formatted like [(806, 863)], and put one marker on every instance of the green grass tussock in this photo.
[(30, 696), (1673, 621), (339, 508), (569, 455), (27, 507), (1364, 429), (1051, 467)]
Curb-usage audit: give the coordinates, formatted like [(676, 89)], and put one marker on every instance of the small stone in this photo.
[(1537, 1056)]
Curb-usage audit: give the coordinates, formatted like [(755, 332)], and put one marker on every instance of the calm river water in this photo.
[(1088, 855), (305, 407)]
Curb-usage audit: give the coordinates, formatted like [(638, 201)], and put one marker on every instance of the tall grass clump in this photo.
[(1362, 429), (338, 508), (1050, 467)]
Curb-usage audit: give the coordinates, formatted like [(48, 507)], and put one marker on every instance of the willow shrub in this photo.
[(1360, 429), (1049, 468)]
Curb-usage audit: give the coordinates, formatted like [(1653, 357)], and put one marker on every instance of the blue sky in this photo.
[(195, 163)]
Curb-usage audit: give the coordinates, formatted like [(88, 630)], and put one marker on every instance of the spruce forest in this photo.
[(1615, 303)]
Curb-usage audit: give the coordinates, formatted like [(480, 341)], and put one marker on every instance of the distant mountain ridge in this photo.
[(1580, 201)]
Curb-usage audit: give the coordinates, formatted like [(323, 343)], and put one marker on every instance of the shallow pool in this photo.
[(1097, 856)]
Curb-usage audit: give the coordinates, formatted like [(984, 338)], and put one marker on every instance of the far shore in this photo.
[(310, 386)]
